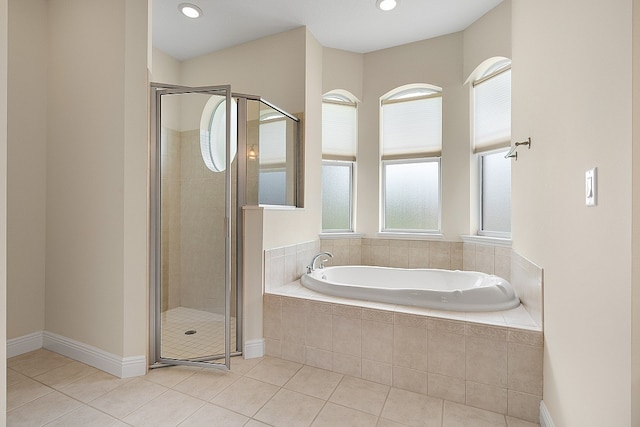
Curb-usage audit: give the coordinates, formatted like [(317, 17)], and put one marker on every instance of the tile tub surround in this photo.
[(287, 264), (495, 368)]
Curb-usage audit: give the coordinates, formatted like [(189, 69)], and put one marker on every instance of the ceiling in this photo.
[(353, 25)]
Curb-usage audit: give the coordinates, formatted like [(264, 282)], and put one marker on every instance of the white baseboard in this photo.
[(545, 416), (253, 348), (24, 344), (123, 367)]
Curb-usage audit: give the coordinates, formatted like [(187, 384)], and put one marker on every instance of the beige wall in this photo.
[(489, 36), (635, 291), (342, 70), (564, 55), (272, 67), (27, 126), (96, 286), (165, 68), (3, 205)]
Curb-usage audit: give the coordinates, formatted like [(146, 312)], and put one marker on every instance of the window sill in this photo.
[(271, 207), (489, 241), (410, 236), (341, 235)]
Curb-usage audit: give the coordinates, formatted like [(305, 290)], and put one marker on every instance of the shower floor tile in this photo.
[(208, 339)]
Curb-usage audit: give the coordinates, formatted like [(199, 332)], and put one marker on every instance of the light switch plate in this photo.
[(591, 187)]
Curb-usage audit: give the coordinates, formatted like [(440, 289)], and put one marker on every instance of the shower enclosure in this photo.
[(214, 152)]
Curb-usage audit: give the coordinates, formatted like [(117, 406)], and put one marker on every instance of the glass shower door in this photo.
[(194, 197)]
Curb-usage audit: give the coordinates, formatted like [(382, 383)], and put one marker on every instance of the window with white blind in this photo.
[(339, 144), (491, 140), (411, 145)]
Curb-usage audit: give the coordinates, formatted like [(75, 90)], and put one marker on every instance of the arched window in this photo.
[(411, 146), (491, 140), (339, 147)]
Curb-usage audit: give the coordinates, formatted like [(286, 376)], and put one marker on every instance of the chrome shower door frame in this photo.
[(156, 359)]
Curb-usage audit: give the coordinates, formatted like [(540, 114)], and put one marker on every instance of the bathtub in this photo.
[(429, 288)]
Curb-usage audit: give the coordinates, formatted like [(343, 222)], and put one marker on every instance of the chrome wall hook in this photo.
[(512, 153)]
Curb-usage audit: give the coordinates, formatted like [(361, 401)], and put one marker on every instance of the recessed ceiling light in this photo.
[(386, 5), (190, 10)]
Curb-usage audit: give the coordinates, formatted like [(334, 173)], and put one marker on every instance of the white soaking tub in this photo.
[(429, 288)]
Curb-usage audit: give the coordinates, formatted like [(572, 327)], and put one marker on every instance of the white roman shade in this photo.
[(339, 130), (492, 119), (412, 127), (273, 146)]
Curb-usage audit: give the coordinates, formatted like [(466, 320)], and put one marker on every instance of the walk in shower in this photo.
[(214, 152)]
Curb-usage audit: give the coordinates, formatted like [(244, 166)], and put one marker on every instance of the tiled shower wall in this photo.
[(192, 257)]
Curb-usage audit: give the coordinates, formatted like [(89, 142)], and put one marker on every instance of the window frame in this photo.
[(351, 165), (408, 93), (481, 231), (499, 67), (383, 196), (341, 97)]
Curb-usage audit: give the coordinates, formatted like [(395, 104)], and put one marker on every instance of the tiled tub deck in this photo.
[(492, 361)]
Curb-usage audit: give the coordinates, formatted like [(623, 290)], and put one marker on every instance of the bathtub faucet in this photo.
[(312, 266)]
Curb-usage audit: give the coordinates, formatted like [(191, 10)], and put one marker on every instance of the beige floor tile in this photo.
[(42, 410), (214, 416), (66, 374), (241, 366), (85, 416), (290, 409), (25, 391), (360, 394), (514, 422), (93, 386), (335, 415), (256, 423), (245, 396), (383, 422), (412, 409), (274, 371), (128, 397), (456, 415), (171, 375), (169, 409), (14, 377), (314, 382), (37, 362), (207, 383)]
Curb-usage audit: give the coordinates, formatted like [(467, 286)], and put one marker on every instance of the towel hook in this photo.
[(513, 153)]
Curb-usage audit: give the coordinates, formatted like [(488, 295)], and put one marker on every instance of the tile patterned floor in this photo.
[(45, 388), (207, 341)]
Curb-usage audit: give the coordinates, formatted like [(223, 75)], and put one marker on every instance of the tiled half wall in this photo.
[(493, 368), (287, 264)]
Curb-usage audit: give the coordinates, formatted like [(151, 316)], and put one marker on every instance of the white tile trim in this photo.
[(486, 240), (24, 344), (545, 416), (123, 367), (253, 348)]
